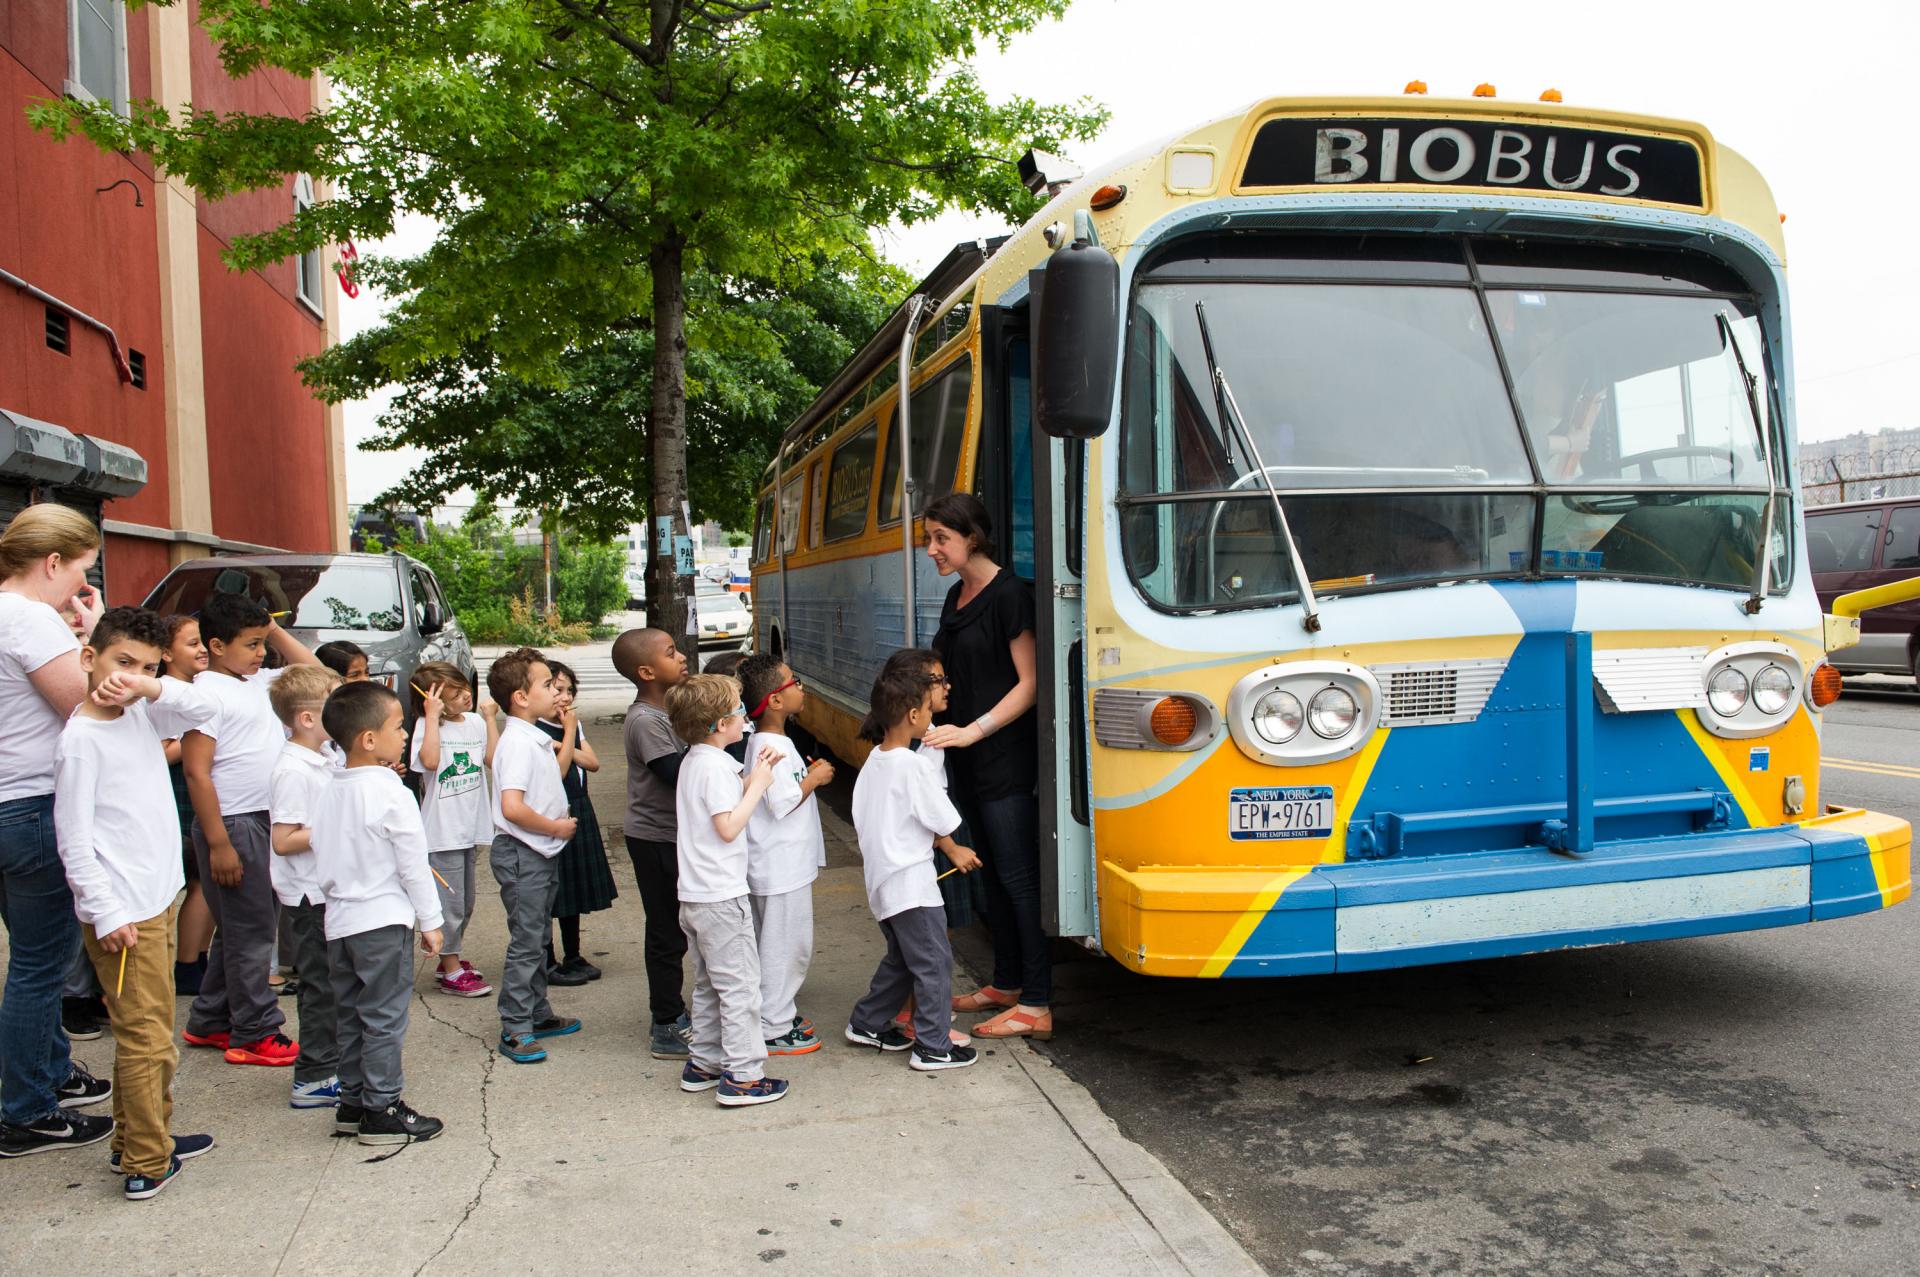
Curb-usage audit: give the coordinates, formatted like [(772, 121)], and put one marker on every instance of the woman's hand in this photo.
[(947, 736), (87, 607)]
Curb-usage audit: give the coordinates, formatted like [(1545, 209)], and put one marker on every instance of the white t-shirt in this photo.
[(898, 811), (711, 868), (934, 759), (113, 807), (247, 737), (300, 779), (523, 759), (370, 854), (454, 803), (785, 849), (31, 634)]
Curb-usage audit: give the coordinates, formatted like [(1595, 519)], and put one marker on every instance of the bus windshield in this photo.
[(1441, 424)]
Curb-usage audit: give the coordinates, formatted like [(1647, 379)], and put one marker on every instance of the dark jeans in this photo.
[(1006, 833), (37, 909), (657, 870)]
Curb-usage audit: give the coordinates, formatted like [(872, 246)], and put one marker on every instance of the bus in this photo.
[(1405, 487)]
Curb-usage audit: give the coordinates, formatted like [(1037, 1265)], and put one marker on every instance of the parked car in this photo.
[(1860, 544), (388, 604), (386, 527), (636, 589), (726, 617)]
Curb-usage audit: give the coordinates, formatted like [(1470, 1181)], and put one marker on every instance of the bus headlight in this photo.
[(1332, 713), (1772, 690), (1298, 713), (1277, 717), (1749, 689), (1727, 692)]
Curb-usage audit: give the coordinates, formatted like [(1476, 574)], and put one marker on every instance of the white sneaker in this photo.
[(324, 1094)]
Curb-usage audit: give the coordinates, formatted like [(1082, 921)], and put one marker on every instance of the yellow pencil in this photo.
[(949, 873), (443, 881), (121, 982)]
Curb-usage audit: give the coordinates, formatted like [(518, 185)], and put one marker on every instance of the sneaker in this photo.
[(219, 1040), (887, 1039), (346, 1119), (398, 1124), (560, 974), (464, 984), (556, 1026), (802, 1023), (468, 966), (141, 1187), (185, 1148), (324, 1094), (82, 1088), (276, 1051), (81, 1020), (793, 1042), (955, 1057), (734, 1093), (53, 1132), (695, 1078), (522, 1049), (669, 1041), (580, 966), (287, 988)]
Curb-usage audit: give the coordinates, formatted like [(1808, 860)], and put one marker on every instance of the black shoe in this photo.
[(52, 1132), (141, 1187), (580, 965), (562, 974), (80, 1020), (954, 1057), (397, 1124), (887, 1039), (288, 988), (185, 1148), (187, 977), (82, 1088), (347, 1118)]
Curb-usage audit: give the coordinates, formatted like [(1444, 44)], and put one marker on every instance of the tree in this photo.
[(591, 161)]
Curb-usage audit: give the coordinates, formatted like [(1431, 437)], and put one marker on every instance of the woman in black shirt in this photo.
[(986, 641)]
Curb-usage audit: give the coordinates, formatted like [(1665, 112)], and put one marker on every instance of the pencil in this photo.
[(121, 982), (415, 686), (443, 881), (949, 873)]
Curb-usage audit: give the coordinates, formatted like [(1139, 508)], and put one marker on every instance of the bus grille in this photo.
[(1430, 692), (1650, 678)]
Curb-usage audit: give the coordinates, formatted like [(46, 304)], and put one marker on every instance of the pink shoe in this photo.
[(471, 969), (464, 984)]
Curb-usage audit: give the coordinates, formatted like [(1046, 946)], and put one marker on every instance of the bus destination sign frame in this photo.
[(1294, 151)]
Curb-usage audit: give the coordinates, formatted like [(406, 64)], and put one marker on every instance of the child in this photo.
[(348, 660), (452, 748), (586, 882), (370, 857), (785, 853), (650, 661), (727, 1052), (124, 868), (299, 787), (229, 763), (185, 657), (900, 815), (530, 825)]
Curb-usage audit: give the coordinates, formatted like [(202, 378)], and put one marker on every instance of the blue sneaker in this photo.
[(669, 1041), (185, 1147), (141, 1187), (556, 1026), (324, 1094), (522, 1049), (695, 1078), (737, 1094)]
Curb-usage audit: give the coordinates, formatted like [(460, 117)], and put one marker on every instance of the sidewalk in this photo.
[(595, 1161)]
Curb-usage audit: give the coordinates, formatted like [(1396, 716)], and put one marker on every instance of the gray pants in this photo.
[(372, 985), (453, 879), (784, 925), (80, 980), (528, 882), (235, 997), (725, 1008), (303, 928), (919, 961)]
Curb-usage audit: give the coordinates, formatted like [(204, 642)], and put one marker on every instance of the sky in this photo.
[(1813, 94)]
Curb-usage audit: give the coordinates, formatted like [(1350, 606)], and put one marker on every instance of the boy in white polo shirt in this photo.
[(299, 786), (531, 825), (727, 1053), (370, 856), (124, 867)]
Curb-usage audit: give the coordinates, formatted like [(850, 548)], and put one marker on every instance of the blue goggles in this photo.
[(738, 711)]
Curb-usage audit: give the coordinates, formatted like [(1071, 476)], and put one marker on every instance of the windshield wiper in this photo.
[(1231, 417), (1763, 557)]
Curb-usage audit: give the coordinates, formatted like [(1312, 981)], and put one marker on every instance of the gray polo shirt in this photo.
[(649, 735)]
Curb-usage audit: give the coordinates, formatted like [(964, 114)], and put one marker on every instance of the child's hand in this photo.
[(430, 942), (565, 827), (763, 765), (569, 718), (819, 773), (121, 688), (488, 709), (399, 769), (223, 862), (120, 938), (432, 705), (965, 859)]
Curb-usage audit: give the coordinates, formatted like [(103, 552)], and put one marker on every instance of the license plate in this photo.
[(1300, 811)]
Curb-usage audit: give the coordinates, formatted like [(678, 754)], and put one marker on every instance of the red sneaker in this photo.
[(275, 1051), (219, 1041)]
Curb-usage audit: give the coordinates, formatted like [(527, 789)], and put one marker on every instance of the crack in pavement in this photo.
[(486, 1126)]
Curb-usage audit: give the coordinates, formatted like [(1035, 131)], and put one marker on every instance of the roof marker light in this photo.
[(1551, 95), (1106, 197), (1415, 87), (1483, 90)]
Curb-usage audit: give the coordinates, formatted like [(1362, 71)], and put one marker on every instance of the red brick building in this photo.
[(139, 376)]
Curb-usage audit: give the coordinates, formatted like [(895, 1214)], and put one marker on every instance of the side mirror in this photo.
[(431, 621), (1075, 355)]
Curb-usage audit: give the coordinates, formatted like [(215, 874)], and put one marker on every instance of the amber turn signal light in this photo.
[(1415, 86), (1551, 95), (1106, 197), (1483, 90), (1823, 689), (1174, 720)]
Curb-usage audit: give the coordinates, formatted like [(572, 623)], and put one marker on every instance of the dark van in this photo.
[(1865, 543)]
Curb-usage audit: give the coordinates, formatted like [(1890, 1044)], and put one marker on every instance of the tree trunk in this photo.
[(668, 590)]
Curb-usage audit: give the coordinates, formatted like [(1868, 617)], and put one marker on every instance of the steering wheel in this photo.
[(1644, 461)]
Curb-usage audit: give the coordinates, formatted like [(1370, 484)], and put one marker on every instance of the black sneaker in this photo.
[(82, 1019), (185, 1147), (141, 1187), (82, 1088), (954, 1057), (347, 1118), (556, 1026), (398, 1124), (565, 975), (887, 1039), (52, 1133)]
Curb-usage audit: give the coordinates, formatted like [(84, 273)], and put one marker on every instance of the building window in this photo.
[(97, 52), (307, 265), (137, 365), (59, 336)]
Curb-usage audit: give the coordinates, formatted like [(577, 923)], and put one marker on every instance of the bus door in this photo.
[(1035, 488)]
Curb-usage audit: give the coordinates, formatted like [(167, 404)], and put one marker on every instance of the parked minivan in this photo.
[(1864, 543), (388, 604)]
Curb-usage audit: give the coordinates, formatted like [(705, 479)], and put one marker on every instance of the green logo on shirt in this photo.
[(460, 775)]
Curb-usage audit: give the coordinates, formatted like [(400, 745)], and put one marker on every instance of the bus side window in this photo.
[(1020, 456), (939, 412), (763, 529), (816, 501), (790, 511)]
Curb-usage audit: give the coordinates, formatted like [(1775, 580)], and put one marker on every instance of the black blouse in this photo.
[(974, 644)]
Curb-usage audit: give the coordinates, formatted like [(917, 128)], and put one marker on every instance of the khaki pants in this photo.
[(144, 1056)]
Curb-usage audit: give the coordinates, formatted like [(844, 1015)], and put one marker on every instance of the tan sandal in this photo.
[(1017, 1024), (986, 998), (906, 1026)]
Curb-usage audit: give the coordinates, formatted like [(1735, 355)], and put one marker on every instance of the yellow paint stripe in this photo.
[(1868, 765), (1336, 851), (1709, 746)]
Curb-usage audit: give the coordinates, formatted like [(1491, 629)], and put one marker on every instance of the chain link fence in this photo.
[(1859, 476)]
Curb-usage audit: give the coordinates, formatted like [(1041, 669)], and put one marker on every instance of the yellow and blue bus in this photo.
[(1405, 487)]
